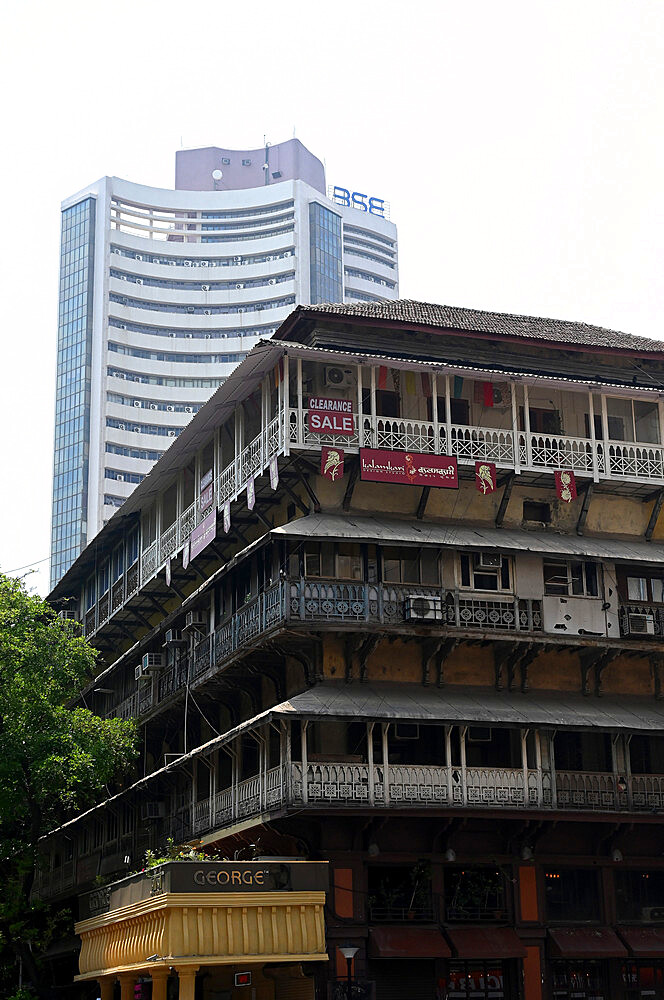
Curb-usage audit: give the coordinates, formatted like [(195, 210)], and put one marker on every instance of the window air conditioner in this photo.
[(422, 607), (171, 434), (640, 624), (203, 263), (67, 616), (238, 260), (136, 429), (207, 312), (190, 309), (153, 406), (208, 336), (151, 661), (188, 409), (187, 263), (153, 810), (170, 409), (122, 326), (272, 281), (489, 560), (122, 277), (139, 281), (205, 288), (195, 622), (287, 253), (138, 403), (172, 334), (120, 477), (173, 637), (139, 256), (652, 913), (121, 427), (155, 260), (189, 336), (239, 284), (115, 250), (338, 378), (140, 674)]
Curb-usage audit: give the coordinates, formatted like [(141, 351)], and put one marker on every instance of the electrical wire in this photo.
[(27, 565)]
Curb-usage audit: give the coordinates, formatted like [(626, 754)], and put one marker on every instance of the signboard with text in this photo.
[(201, 536), (378, 466), (331, 416)]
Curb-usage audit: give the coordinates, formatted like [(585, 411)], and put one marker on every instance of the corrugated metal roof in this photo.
[(391, 531), (413, 702)]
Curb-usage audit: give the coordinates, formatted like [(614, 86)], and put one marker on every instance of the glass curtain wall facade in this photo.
[(326, 280), (72, 396)]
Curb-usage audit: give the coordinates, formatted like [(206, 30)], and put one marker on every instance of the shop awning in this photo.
[(486, 942), (644, 942), (586, 942), (407, 942)]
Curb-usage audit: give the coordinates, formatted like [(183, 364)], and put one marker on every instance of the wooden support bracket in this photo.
[(588, 495), (659, 500), (352, 479), (422, 505), (505, 499)]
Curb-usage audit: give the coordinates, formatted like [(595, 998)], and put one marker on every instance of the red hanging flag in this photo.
[(485, 477), (332, 464), (565, 485), (488, 393), (382, 377)]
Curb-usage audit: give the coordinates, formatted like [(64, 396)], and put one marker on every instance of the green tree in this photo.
[(54, 760)]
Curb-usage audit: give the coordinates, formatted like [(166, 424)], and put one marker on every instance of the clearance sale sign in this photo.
[(331, 416)]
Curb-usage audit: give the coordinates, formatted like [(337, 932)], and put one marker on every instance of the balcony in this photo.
[(363, 786)]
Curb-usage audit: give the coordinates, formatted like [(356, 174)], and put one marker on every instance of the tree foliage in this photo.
[(54, 760)]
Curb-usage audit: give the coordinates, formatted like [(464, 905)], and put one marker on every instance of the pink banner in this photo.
[(377, 466), (331, 416), (206, 497), (201, 536)]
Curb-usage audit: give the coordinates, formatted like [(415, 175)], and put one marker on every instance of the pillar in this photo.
[(159, 984), (186, 980), (127, 985), (106, 987)]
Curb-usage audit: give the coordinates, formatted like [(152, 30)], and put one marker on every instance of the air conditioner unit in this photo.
[(136, 429), (120, 477), (122, 326), (207, 312), (172, 334), (205, 288), (139, 281), (188, 409), (203, 263), (122, 277), (170, 409), (338, 378), (287, 253), (152, 661), (115, 250), (155, 260), (239, 284), (238, 260), (241, 309), (121, 427), (140, 674), (173, 637), (195, 622), (138, 403), (171, 434), (153, 810), (190, 309), (67, 616), (652, 913), (153, 406), (422, 607), (272, 281), (139, 256), (208, 336), (641, 624), (187, 263), (489, 560), (189, 336)]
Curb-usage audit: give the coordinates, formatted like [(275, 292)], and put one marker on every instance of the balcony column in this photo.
[(186, 981), (159, 984), (305, 763), (239, 442), (448, 764), (593, 439), (386, 763), (516, 451), (128, 985), (214, 760), (538, 765), (449, 449), (605, 437), (300, 411), (434, 416), (660, 415), (552, 769), (360, 441), (526, 425), (286, 404), (370, 762), (106, 987), (287, 758), (462, 746), (524, 765), (373, 406)]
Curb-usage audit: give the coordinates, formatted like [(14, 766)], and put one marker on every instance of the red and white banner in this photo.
[(565, 485), (378, 466), (485, 477), (331, 416), (332, 463)]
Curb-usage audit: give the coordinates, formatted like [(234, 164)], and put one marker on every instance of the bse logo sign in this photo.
[(355, 199)]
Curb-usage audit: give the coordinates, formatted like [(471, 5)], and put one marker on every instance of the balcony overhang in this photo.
[(204, 914)]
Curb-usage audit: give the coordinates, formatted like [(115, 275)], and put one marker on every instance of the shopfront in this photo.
[(185, 920)]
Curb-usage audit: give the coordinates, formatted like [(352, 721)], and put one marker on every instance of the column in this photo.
[(127, 985), (187, 981), (106, 987), (159, 984)]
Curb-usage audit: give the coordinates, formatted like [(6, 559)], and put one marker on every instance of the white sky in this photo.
[(519, 142)]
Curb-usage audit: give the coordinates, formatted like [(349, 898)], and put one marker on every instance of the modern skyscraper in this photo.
[(163, 292)]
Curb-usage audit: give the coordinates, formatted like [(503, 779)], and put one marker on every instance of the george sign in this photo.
[(355, 199), (206, 497), (377, 466), (331, 416), (227, 517), (251, 493), (485, 477), (565, 485), (201, 536), (274, 472), (332, 463)]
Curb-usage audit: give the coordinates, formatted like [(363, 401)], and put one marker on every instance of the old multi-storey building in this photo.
[(394, 601)]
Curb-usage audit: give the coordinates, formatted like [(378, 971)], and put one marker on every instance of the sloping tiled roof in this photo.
[(503, 324)]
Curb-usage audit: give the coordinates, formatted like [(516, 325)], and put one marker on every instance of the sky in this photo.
[(519, 143)]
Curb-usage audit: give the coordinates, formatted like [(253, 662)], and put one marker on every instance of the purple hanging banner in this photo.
[(205, 533)]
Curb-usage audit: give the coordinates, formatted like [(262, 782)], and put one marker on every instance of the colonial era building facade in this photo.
[(393, 601)]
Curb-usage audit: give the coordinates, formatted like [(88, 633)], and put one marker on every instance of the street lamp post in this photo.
[(349, 954)]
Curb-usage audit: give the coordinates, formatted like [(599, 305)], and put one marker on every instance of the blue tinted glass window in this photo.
[(326, 276)]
